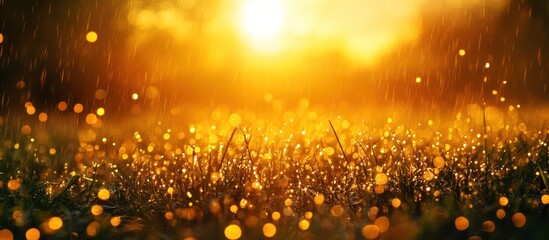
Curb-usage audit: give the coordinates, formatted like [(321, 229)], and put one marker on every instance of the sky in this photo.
[(412, 55)]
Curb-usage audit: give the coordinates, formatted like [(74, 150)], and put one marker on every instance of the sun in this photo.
[(262, 19)]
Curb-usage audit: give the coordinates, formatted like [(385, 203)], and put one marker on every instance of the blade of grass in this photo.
[(57, 198), (339, 142)]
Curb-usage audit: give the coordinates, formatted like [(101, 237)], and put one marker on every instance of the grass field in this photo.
[(306, 176)]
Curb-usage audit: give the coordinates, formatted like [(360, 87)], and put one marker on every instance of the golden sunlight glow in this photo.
[(262, 19)]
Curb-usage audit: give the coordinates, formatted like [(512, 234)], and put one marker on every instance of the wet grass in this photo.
[(311, 180)]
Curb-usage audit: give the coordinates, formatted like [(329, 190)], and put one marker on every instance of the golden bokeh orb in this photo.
[(103, 194), (55, 223), (519, 220), (32, 234), (488, 226), (545, 199), (269, 230), (91, 36), (6, 234), (304, 224), (462, 223), (233, 231), (503, 201), (370, 231)]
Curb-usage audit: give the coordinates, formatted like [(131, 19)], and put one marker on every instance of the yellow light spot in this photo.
[(26, 130), (96, 210), (519, 220), (55, 223), (268, 97), (170, 190), (304, 224), (233, 209), (494, 92), (462, 223), (1, 38), (151, 92), (487, 65), (389, 120), (319, 199), (233, 231), (308, 215), (243, 203), (32, 234), (14, 184), (214, 177), (288, 202), (488, 226), (396, 202), (461, 52), (213, 139), (92, 229), (91, 119), (379, 189), (381, 178), (91, 37), (370, 231), (502, 99), (500, 213), (31, 110), (275, 216), (43, 117), (235, 120), (62, 106), (135, 96), (103, 194), (269, 230), (100, 111), (20, 85), (5, 234), (545, 199), (382, 223), (418, 79), (168, 215), (329, 151), (78, 108), (428, 175), (337, 210), (345, 124), (100, 94), (115, 221), (430, 122), (503, 201)]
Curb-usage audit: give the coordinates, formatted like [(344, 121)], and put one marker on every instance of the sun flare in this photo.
[(262, 19)]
